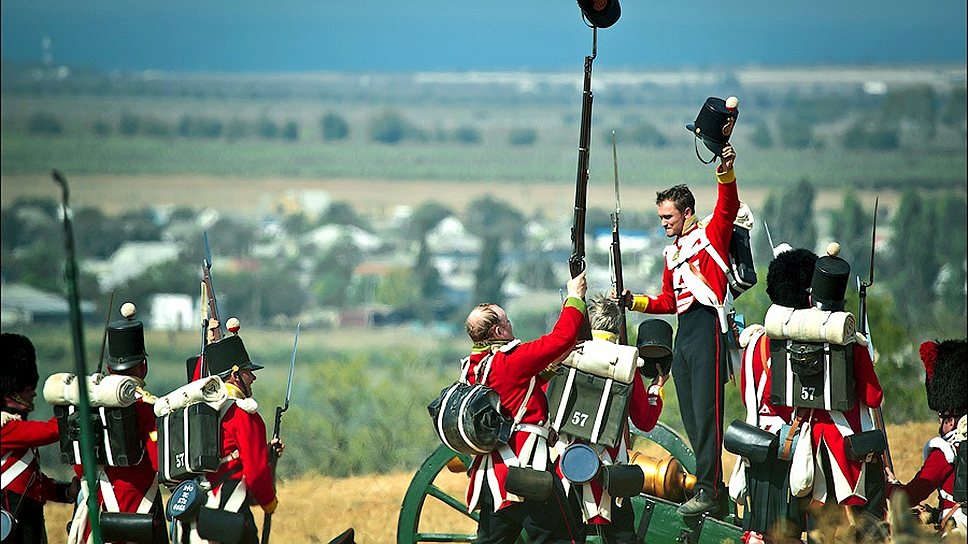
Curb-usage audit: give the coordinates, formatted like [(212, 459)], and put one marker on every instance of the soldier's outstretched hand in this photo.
[(277, 445), (577, 286), (729, 156)]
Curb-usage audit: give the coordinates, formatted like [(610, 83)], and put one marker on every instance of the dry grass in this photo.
[(317, 508)]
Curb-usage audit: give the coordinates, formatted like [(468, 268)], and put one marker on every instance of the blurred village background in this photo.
[(375, 205)]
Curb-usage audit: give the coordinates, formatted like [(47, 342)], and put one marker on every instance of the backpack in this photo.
[(468, 418), (741, 273)]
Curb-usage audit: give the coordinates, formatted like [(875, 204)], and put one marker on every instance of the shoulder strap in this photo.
[(485, 371)]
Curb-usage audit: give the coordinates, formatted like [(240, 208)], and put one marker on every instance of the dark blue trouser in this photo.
[(699, 375)]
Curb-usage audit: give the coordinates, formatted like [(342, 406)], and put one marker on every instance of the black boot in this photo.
[(702, 503)]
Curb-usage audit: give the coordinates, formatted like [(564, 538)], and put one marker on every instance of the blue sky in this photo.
[(393, 35)]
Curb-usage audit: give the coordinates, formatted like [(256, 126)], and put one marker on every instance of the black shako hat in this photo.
[(601, 13), (714, 124), (126, 340), (946, 376), (655, 346), (830, 278), (226, 355)]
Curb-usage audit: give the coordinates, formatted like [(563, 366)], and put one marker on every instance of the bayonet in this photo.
[(616, 250), (273, 451), (104, 337)]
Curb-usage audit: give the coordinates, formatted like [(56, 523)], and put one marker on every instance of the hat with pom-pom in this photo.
[(830, 278), (126, 340), (715, 122), (946, 376), (789, 276), (228, 354)]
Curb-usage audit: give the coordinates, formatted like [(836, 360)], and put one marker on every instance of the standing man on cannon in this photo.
[(511, 368), (694, 288)]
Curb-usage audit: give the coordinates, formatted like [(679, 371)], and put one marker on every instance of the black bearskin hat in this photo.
[(20, 369), (946, 376), (788, 278)]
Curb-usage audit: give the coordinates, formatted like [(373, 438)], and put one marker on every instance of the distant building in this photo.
[(173, 312), (130, 261), (21, 304)]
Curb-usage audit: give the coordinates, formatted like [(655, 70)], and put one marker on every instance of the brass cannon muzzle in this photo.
[(665, 478)]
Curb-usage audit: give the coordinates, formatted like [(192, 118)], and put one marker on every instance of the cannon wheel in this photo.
[(422, 486)]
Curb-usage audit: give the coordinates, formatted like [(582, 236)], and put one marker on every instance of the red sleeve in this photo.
[(19, 434), (530, 358), (720, 227), (868, 387), (644, 409), (932, 474), (148, 429), (250, 433), (665, 301)]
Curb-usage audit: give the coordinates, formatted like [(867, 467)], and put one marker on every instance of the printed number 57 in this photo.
[(579, 419)]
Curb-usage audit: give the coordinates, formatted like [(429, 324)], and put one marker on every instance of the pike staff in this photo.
[(274, 451), (89, 462)]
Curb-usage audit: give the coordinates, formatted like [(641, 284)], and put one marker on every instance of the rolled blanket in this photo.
[(605, 359), (210, 390), (61, 389), (810, 325), (112, 391)]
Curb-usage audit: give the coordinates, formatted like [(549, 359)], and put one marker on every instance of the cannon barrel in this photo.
[(665, 478)]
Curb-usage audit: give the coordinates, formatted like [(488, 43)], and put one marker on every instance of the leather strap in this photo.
[(788, 441)]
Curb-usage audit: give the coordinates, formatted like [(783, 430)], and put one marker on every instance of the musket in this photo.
[(104, 337), (863, 327), (273, 451), (576, 263), (616, 249), (209, 307), (88, 461)]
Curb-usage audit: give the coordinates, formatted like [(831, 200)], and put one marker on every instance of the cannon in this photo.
[(433, 508)]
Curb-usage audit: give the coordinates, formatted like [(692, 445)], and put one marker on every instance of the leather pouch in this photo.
[(531, 484), (863, 445), (749, 441), (127, 527)]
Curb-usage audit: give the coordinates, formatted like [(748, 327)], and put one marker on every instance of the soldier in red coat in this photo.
[(946, 383), (511, 368), (129, 489), (244, 476), (694, 288), (23, 487), (612, 516)]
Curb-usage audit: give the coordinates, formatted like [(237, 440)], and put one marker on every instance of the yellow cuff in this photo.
[(640, 303), (725, 177), (271, 506)]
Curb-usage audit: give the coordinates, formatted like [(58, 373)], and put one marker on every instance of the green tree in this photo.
[(267, 128), (342, 213), (467, 135), (290, 131), (871, 134), (44, 123), (489, 275), (487, 216), (914, 266), (333, 272), (129, 124), (761, 136), (853, 231), (522, 136), (955, 109), (794, 133), (425, 217), (790, 216), (333, 126), (389, 128)]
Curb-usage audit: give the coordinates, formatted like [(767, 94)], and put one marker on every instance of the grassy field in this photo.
[(316, 509)]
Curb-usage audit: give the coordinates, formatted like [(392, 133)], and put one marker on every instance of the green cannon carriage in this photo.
[(444, 518)]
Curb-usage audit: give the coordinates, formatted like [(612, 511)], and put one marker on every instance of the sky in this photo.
[(448, 35)]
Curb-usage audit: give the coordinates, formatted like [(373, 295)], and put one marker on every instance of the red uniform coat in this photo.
[(510, 376), (692, 247), (131, 489), (19, 439), (247, 453), (936, 474), (757, 356), (825, 431)]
